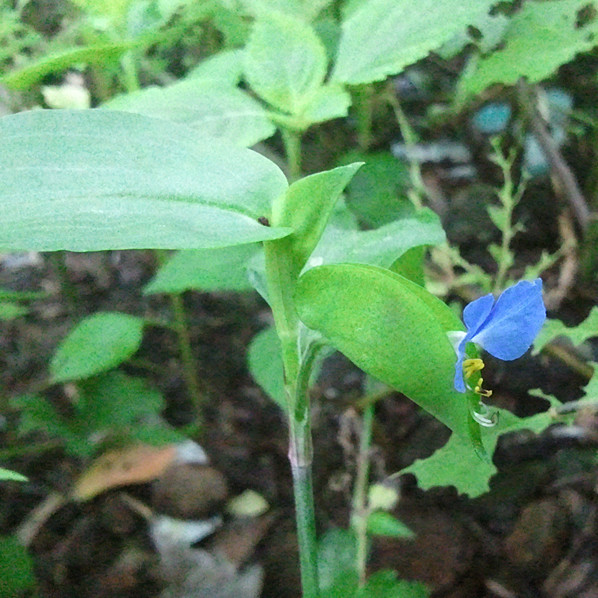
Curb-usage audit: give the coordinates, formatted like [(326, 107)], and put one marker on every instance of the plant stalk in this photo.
[(292, 148), (189, 367), (281, 283), (359, 510)]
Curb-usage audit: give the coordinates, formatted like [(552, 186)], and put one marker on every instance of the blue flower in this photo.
[(505, 328)]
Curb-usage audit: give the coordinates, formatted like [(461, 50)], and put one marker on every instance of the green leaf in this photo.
[(384, 584), (16, 568), (392, 329), (410, 265), (382, 37), (102, 54), (285, 62), (223, 269), (337, 555), (96, 179), (330, 101), (111, 9), (265, 364), (11, 476), (38, 415), (98, 343), (576, 334), (300, 9), (115, 401), (539, 39), (223, 113), (11, 311), (375, 193), (381, 246), (306, 209), (381, 523), (223, 69), (455, 465)]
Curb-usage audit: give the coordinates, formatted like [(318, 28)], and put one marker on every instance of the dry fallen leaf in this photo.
[(133, 465)]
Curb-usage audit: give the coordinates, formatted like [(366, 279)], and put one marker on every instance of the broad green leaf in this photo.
[(98, 343), (539, 39), (576, 334), (410, 265), (96, 179), (381, 523), (381, 246), (455, 465), (16, 568), (382, 37), (223, 69), (225, 113), (204, 270), (377, 192), (306, 209), (285, 62), (330, 101), (265, 364), (11, 476), (392, 329), (114, 400), (300, 9), (102, 54)]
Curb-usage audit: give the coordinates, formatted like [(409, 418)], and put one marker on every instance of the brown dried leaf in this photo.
[(133, 465)]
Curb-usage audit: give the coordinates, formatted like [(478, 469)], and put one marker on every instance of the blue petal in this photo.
[(476, 312), (514, 321)]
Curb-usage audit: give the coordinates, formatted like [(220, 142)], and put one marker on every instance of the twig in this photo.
[(558, 165)]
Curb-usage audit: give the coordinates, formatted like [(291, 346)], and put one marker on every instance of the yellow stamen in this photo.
[(470, 366), (480, 391)]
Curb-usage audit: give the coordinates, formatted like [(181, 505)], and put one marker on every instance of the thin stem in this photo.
[(300, 457), (359, 511), (559, 167), (363, 96), (67, 288), (189, 367), (292, 148), (509, 197), (129, 78), (418, 191), (281, 283)]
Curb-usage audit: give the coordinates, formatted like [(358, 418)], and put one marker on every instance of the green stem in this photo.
[(359, 510), (129, 78), (281, 282), (189, 367), (300, 457), (362, 101), (292, 148), (67, 288)]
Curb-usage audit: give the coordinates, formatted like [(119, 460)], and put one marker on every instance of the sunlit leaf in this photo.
[(392, 329), (382, 37), (97, 179)]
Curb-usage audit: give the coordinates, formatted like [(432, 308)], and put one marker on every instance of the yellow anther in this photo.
[(480, 391), (470, 366)]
